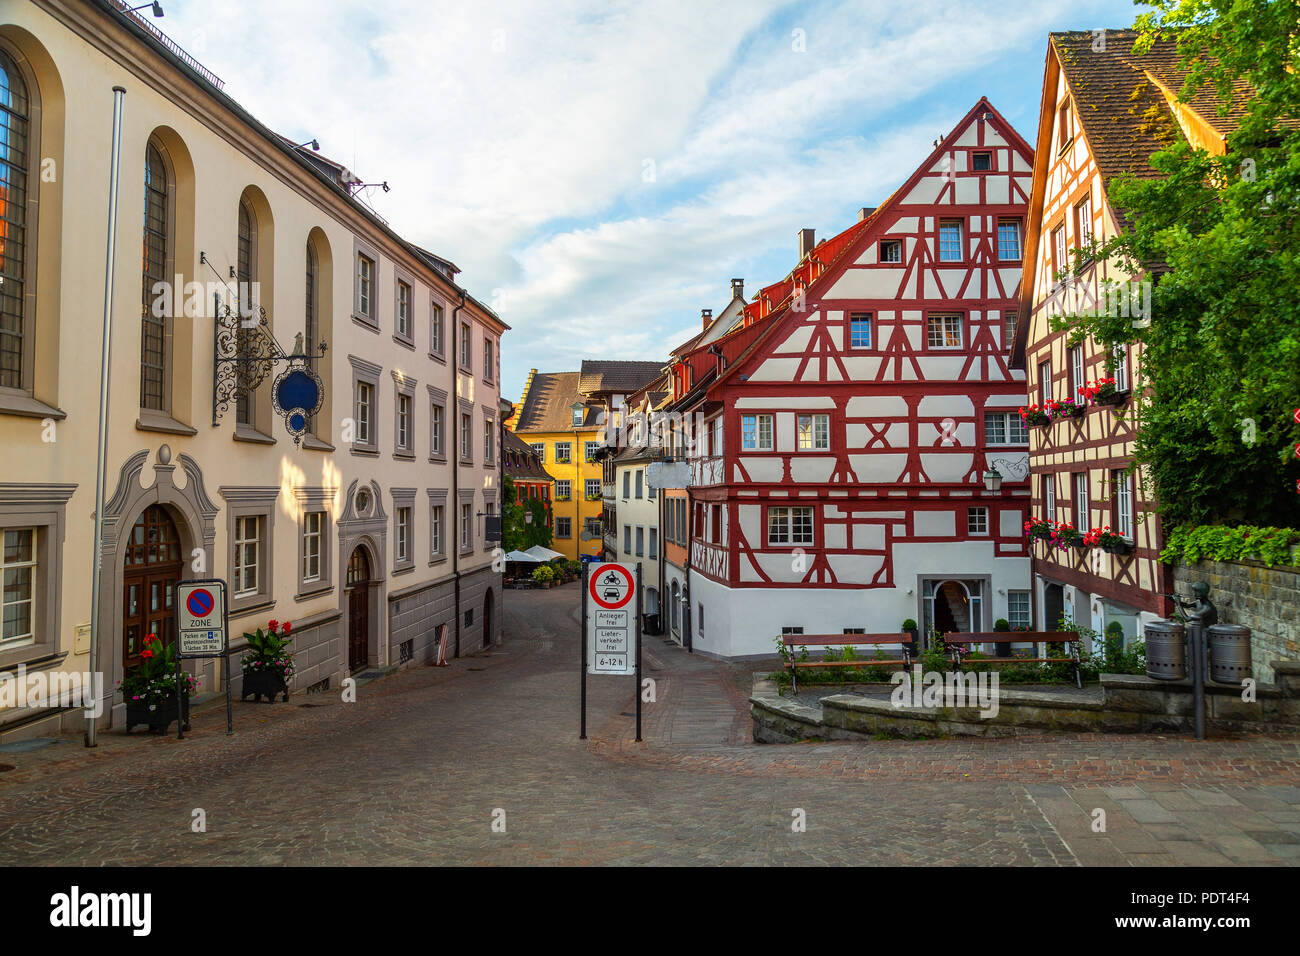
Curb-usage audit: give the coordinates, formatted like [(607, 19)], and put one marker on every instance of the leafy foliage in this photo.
[(1273, 546), (268, 650), (517, 533), (154, 680)]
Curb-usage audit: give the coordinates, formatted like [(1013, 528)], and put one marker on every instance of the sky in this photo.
[(599, 170)]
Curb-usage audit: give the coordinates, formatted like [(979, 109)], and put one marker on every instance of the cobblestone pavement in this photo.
[(419, 767)]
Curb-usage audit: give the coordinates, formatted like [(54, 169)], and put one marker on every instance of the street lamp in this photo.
[(993, 480)]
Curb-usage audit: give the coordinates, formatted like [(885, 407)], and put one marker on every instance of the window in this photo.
[(700, 628), (435, 530), (756, 432), (1044, 382), (1005, 428), (814, 432), (640, 483), (627, 539), (592, 488), (1076, 371), (1122, 493), (489, 441), (640, 542), (564, 527), (1063, 125), (466, 346), (18, 571), (365, 403), (245, 274), (654, 544), (466, 526), (1018, 608), (539, 449), (854, 630), (562, 492), (1059, 259), (1119, 368), (435, 328), (791, 631), (891, 250), (563, 452), (627, 485), (943, 331), (313, 524), (1009, 240), (1081, 502), (466, 439), (402, 545), (1083, 222), (950, 240), (1049, 497), (488, 363), (365, 286), (1009, 329), (248, 541), (16, 318), (786, 525), (860, 330), (404, 421), (981, 162), (153, 331), (590, 448), (403, 310), (977, 520), (435, 428), (311, 320)]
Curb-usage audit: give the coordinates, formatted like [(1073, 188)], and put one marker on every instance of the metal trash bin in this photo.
[(1166, 650), (1229, 653)]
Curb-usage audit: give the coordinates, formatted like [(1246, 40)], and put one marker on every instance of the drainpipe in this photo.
[(455, 462), (97, 560)]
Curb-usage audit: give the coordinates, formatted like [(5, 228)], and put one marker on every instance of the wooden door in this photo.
[(358, 588), (152, 571)]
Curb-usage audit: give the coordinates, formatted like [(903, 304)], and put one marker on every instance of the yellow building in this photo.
[(554, 418)]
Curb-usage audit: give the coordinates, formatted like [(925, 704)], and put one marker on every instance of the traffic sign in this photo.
[(611, 620), (201, 618), (612, 586)]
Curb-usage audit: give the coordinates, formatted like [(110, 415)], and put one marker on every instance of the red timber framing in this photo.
[(869, 371)]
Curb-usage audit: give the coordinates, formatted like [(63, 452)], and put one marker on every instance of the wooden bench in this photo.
[(904, 640), (958, 646)]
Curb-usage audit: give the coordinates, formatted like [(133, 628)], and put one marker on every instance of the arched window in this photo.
[(15, 336), (246, 274), (153, 330)]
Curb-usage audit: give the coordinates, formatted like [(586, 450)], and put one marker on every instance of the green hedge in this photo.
[(1272, 546)]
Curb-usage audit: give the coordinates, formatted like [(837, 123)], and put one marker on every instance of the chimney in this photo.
[(706, 316), (806, 242), (738, 289), (865, 211)]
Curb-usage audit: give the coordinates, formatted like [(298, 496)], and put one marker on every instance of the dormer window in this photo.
[(578, 414)]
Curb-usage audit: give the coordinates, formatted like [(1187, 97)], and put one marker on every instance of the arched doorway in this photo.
[(358, 591), (950, 606), (151, 572), (487, 619)]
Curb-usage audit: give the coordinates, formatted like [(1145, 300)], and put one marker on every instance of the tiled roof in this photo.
[(613, 376), (521, 462), (548, 405)]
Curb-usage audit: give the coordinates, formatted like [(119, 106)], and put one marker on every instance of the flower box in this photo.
[(1035, 417), (264, 683), (1119, 546), (1112, 397), (159, 715), (268, 663), (1068, 409)]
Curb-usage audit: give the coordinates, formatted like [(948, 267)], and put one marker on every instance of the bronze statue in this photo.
[(1201, 608)]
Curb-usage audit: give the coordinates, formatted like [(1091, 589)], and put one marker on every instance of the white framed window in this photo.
[(943, 331), (539, 449), (1049, 497), (435, 530), (1005, 428), (1009, 329), (435, 328), (860, 330), (756, 432), (403, 421), (466, 346), (1060, 261), (1076, 372), (563, 527), (592, 488), (1044, 382), (1122, 492), (1018, 608), (313, 524), (1009, 240), (18, 572), (977, 520), (1119, 359), (891, 250), (789, 525), (590, 448), (489, 362), (562, 490), (1081, 502), (466, 439), (248, 553), (365, 403), (403, 535), (365, 286), (813, 431), (489, 441), (950, 240), (563, 452), (403, 310), (1083, 222), (466, 526), (435, 428)]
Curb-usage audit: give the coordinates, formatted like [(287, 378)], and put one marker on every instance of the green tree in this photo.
[(1221, 236), (517, 532)]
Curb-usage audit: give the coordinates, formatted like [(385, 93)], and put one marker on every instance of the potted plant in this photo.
[(1003, 648), (544, 576), (1065, 536), (909, 627), (1038, 529), (1103, 392), (1107, 540), (1066, 408), (268, 664), (1035, 416), (150, 689)]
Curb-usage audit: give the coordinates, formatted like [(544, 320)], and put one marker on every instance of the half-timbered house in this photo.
[(843, 435)]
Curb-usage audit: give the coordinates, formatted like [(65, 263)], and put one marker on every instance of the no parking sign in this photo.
[(201, 618)]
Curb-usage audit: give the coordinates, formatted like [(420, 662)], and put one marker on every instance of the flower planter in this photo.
[(264, 683), (1117, 547), (160, 716), (1075, 412), (1114, 398), (1037, 421)]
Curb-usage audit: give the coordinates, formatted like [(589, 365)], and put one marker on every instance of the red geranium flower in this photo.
[(287, 627)]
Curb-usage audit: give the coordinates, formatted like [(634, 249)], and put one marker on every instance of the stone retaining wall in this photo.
[(1264, 599)]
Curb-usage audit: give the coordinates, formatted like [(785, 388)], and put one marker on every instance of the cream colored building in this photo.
[(371, 535)]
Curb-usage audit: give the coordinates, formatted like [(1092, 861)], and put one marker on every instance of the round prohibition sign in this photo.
[(200, 603), (611, 587)]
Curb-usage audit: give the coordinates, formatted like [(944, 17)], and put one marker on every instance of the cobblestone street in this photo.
[(413, 772)]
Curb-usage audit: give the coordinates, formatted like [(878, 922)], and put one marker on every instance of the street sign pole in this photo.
[(582, 644), (180, 714), (225, 672), (203, 631), (639, 608)]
